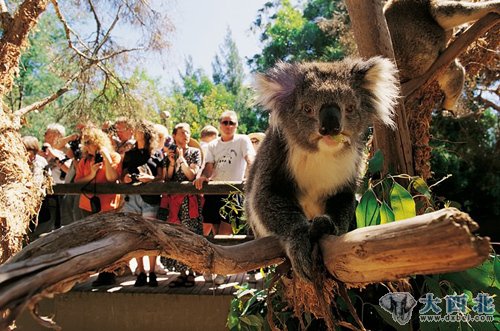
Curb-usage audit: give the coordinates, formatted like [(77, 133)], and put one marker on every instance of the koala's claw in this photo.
[(320, 226)]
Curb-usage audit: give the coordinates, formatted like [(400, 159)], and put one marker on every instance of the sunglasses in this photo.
[(226, 123)]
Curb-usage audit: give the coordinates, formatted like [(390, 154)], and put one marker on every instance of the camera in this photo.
[(134, 177), (74, 145), (98, 158), (173, 147)]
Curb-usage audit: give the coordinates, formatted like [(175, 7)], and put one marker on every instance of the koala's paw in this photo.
[(322, 225), (299, 251)]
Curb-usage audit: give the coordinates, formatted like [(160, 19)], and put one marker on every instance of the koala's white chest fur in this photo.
[(321, 174)]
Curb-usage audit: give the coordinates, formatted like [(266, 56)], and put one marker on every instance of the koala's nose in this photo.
[(330, 120)]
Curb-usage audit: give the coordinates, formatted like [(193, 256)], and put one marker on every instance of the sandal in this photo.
[(189, 281), (179, 281)]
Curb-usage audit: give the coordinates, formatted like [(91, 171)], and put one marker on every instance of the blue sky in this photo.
[(200, 29)]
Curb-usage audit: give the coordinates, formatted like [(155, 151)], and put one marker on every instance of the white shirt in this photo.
[(228, 157)]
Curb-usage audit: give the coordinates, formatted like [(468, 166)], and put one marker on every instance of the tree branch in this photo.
[(45, 101), (5, 16), (457, 47), (97, 21), (432, 243)]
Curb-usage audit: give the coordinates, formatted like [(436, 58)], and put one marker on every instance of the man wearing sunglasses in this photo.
[(227, 160)]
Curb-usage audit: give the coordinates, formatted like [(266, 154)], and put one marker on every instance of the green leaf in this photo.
[(249, 304), (389, 320), (376, 162), (496, 267), (402, 203), (386, 214), (367, 212), (254, 320), (479, 279), (421, 187)]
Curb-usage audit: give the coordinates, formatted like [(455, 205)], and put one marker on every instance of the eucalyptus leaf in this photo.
[(421, 187), (386, 214), (368, 210), (402, 203)]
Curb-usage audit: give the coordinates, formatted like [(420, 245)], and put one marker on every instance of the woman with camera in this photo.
[(183, 165), (99, 164), (142, 165)]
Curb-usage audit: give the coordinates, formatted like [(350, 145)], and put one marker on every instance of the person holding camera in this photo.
[(142, 165), (183, 164), (70, 211), (99, 164)]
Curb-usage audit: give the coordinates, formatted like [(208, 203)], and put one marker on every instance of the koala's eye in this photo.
[(350, 109), (308, 109)]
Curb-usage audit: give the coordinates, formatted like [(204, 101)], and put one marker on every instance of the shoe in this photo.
[(160, 270), (152, 280), (251, 278), (208, 277), (141, 280), (189, 282), (104, 279), (219, 279), (179, 281)]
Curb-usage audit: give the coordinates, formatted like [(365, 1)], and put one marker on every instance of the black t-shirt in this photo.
[(135, 161)]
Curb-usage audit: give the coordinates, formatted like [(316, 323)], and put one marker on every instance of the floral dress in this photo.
[(185, 212)]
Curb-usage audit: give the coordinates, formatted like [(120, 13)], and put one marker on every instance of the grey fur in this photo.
[(420, 31), (298, 174)]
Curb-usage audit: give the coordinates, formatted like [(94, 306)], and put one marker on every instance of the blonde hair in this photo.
[(208, 131), (31, 143), (56, 127), (97, 137)]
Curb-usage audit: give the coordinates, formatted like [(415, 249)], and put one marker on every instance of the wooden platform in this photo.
[(126, 285), (123, 307)]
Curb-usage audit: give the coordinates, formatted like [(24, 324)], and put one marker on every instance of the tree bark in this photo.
[(372, 38), (432, 243), (20, 197)]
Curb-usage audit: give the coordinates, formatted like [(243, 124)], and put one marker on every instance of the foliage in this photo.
[(99, 66), (468, 148), (233, 211), (199, 100), (249, 308), (319, 32)]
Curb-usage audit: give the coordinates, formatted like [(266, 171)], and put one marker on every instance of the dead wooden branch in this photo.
[(433, 243), (457, 47)]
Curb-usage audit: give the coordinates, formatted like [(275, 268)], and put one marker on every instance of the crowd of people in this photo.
[(130, 152)]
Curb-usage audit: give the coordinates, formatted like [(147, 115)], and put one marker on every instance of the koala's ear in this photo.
[(378, 76), (276, 85)]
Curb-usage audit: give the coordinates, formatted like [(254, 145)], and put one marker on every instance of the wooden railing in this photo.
[(159, 188), (149, 188)]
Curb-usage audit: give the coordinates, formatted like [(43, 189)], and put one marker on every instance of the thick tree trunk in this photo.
[(431, 243), (19, 196), (372, 38)]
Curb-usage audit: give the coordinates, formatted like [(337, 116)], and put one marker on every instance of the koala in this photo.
[(303, 180), (420, 31)]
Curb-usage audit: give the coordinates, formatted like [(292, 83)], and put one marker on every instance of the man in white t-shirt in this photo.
[(227, 159)]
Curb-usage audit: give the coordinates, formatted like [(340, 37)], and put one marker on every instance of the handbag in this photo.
[(95, 202)]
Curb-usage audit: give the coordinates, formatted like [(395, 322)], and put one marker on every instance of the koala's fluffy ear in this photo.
[(276, 85), (378, 76)]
